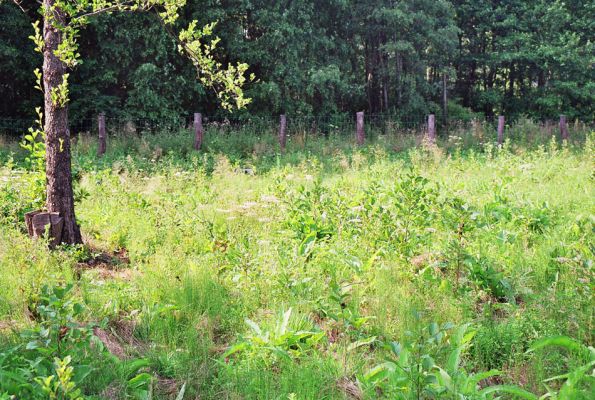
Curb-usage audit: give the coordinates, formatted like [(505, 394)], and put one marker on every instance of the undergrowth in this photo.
[(330, 271)]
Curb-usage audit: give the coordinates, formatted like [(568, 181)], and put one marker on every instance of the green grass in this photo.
[(353, 241)]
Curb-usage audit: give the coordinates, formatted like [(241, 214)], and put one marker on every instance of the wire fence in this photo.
[(327, 125)]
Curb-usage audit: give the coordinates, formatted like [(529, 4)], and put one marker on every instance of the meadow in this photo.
[(396, 270)]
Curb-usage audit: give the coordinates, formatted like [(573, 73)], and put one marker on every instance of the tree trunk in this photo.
[(60, 197), (399, 71), (445, 99), (471, 80), (384, 72), (511, 79), (368, 73)]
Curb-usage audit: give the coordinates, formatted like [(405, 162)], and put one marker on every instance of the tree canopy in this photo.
[(318, 57)]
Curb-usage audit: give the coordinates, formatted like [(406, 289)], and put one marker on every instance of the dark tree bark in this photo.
[(382, 56), (470, 84), (60, 197), (368, 73), (399, 71), (511, 79), (444, 99), (541, 79)]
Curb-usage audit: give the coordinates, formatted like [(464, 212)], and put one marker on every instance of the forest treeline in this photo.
[(320, 57)]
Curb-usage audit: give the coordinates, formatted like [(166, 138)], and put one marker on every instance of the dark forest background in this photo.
[(315, 57)]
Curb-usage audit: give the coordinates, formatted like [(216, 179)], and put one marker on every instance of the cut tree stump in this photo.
[(39, 222)]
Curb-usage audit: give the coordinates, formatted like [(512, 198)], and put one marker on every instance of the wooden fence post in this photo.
[(563, 128), (198, 131), (282, 131), (102, 139), (432, 128), (501, 122), (359, 128)]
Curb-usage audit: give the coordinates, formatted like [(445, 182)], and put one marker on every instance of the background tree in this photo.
[(531, 57), (17, 60), (324, 57)]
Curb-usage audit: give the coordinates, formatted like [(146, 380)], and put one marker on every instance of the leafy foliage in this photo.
[(53, 359), (282, 341), (311, 57)]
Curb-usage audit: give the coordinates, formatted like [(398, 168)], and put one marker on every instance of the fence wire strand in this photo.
[(327, 125)]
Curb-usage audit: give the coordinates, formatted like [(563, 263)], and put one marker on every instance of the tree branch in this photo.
[(103, 10), (18, 3)]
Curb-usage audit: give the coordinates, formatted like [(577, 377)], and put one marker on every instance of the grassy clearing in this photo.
[(249, 274)]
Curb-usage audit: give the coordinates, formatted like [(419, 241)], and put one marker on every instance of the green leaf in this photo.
[(444, 378), (574, 377), (380, 372), (433, 328), (32, 345), (81, 372), (307, 244), (180, 395), (562, 341), (285, 322), (427, 362), (11, 375), (447, 325), (475, 379), (454, 358), (280, 352), (236, 348), (78, 308), (510, 389), (130, 368), (254, 326), (140, 381), (395, 348), (362, 342)]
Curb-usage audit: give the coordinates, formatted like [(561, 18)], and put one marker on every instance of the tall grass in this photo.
[(189, 246)]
